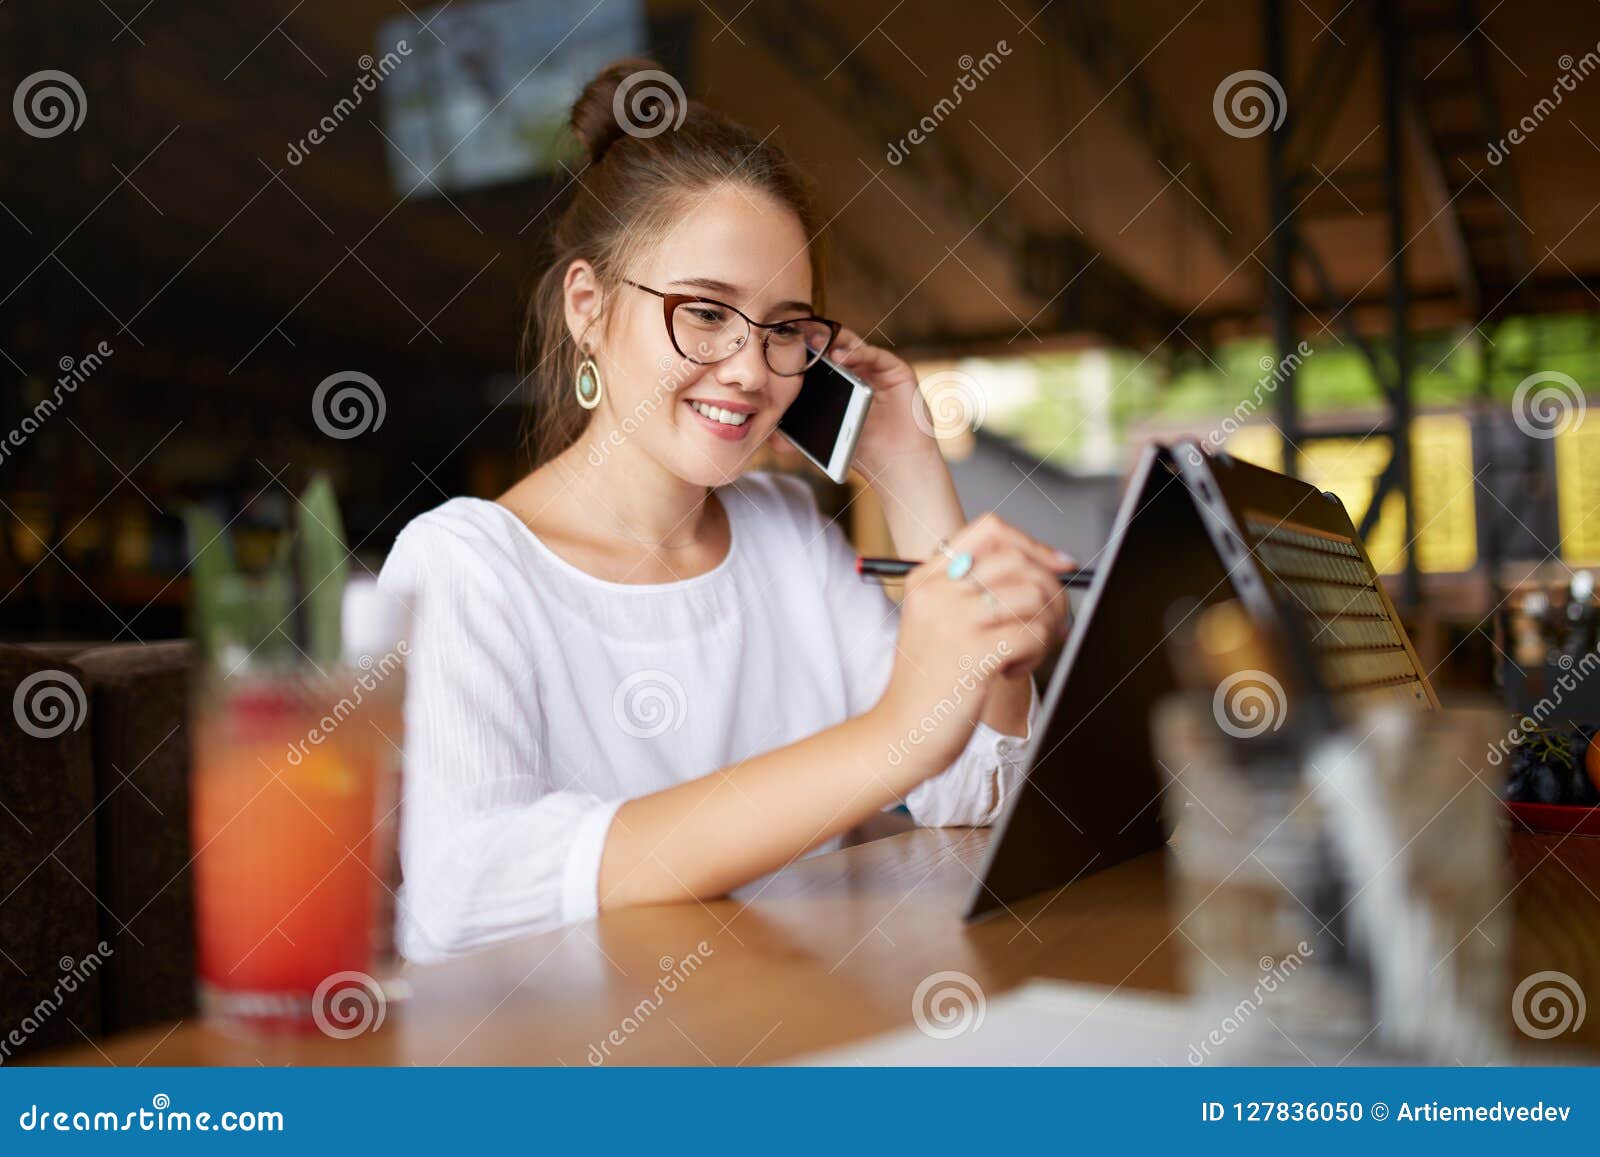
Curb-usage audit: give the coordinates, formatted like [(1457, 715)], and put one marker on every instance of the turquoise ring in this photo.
[(960, 566)]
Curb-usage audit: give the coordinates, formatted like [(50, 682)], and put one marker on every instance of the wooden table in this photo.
[(827, 951)]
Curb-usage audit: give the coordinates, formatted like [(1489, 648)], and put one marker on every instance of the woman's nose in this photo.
[(747, 369)]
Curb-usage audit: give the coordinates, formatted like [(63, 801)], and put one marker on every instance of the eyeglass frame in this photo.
[(671, 301)]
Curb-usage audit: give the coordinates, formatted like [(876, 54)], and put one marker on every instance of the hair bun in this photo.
[(634, 97)]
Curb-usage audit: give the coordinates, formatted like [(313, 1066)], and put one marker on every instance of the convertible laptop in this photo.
[(1193, 529)]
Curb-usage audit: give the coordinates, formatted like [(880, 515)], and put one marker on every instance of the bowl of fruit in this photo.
[(1554, 785)]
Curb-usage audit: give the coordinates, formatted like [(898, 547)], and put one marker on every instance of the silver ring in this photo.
[(990, 601), (943, 547)]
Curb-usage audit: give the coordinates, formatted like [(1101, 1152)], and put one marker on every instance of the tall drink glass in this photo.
[(295, 793)]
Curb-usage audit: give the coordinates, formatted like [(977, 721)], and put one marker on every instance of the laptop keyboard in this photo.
[(1358, 644)]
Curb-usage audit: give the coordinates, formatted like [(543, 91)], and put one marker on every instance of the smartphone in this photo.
[(824, 422)]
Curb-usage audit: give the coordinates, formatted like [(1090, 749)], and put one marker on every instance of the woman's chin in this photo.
[(708, 461), (715, 467), (706, 474)]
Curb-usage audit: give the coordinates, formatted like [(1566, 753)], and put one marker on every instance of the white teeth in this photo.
[(717, 414)]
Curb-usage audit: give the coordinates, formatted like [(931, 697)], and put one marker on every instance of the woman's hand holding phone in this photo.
[(957, 635), (898, 428), (889, 441)]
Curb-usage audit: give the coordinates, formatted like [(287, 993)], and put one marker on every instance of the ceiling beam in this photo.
[(798, 33), (1322, 94), (1518, 263), (1436, 188), (1099, 50)]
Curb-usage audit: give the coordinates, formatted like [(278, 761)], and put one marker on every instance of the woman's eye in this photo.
[(708, 315), (787, 333)]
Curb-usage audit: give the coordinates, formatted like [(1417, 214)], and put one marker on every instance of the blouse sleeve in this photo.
[(488, 847), (974, 789)]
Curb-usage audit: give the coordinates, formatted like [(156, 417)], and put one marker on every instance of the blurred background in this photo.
[(243, 244)]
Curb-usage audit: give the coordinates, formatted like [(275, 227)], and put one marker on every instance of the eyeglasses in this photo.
[(706, 332)]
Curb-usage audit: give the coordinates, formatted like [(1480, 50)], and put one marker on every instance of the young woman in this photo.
[(641, 675)]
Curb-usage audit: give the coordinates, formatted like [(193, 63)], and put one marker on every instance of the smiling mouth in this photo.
[(717, 414)]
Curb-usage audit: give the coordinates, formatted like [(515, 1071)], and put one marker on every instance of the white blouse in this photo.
[(540, 698)]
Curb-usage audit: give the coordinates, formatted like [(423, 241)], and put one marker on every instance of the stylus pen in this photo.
[(868, 567)]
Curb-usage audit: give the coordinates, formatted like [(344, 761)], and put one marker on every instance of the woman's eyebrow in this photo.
[(713, 285)]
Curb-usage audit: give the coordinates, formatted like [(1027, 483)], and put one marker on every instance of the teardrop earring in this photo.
[(587, 385)]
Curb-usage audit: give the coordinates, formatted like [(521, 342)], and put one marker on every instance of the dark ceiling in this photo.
[(1083, 185)]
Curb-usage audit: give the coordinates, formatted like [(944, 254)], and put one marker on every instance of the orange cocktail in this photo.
[(293, 799)]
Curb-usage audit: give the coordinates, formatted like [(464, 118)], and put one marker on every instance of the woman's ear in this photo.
[(581, 291)]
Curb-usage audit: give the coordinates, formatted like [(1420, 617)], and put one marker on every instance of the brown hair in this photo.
[(639, 178)]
